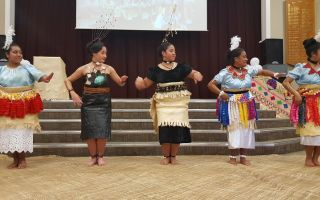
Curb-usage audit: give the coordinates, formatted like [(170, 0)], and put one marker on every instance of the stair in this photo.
[(132, 133)]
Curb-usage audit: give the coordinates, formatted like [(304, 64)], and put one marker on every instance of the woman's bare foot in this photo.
[(173, 160), (309, 163), (165, 161), (13, 165), (22, 164), (244, 161), (316, 162), (101, 161), (92, 161), (15, 162), (233, 160)]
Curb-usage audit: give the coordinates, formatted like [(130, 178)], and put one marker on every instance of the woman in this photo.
[(305, 108), (236, 108), (19, 106), (169, 106), (96, 100)]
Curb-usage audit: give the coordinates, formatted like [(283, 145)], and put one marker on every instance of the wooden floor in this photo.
[(196, 177)]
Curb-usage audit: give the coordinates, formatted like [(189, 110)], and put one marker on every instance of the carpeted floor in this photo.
[(196, 177)]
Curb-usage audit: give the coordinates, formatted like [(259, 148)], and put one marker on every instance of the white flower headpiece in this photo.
[(9, 38), (235, 42)]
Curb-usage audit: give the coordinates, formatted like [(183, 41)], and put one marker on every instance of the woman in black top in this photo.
[(96, 100), (169, 106)]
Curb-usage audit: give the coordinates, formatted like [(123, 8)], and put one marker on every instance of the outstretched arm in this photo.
[(121, 81), (46, 78), (270, 73), (195, 76), (142, 84)]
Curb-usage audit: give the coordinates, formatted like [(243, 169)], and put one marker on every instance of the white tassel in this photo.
[(234, 114), (317, 37), (9, 37), (173, 94), (170, 123), (235, 42), (230, 111)]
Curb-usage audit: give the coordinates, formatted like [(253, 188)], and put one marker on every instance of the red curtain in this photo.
[(47, 28)]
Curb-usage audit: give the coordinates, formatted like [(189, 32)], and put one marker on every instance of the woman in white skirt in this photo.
[(19, 106), (236, 108), (305, 114)]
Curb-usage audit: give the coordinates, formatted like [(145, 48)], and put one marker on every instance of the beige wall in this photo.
[(277, 19), (2, 17)]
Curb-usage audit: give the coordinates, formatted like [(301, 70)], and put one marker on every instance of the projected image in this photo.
[(142, 14)]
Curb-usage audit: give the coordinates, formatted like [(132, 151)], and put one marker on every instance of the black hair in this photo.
[(7, 51), (95, 46), (234, 54), (163, 47), (311, 46)]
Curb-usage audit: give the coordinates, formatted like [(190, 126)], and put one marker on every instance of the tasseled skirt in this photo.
[(306, 116), (238, 116), (19, 108), (169, 112), (239, 111)]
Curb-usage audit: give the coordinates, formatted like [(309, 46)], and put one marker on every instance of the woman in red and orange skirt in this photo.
[(305, 112), (19, 106)]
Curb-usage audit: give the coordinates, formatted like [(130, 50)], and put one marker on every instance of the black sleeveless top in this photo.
[(97, 78)]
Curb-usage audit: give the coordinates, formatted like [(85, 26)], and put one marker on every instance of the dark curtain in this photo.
[(47, 28)]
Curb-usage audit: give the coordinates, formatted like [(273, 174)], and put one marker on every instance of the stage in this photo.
[(196, 177)]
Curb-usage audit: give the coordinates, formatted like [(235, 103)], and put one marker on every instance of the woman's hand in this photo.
[(224, 97), (139, 83), (282, 75), (124, 78), (197, 77), (76, 99), (297, 99), (46, 78), (279, 75)]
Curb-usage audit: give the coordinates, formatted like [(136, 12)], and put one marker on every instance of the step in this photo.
[(132, 104), (139, 114), (153, 148), (146, 124), (149, 136)]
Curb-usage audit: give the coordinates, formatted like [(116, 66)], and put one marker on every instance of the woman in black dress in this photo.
[(96, 100), (169, 106)]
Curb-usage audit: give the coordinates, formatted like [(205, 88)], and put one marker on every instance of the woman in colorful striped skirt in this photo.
[(236, 108)]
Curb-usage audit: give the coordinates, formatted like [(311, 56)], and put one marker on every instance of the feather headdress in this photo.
[(170, 31)]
